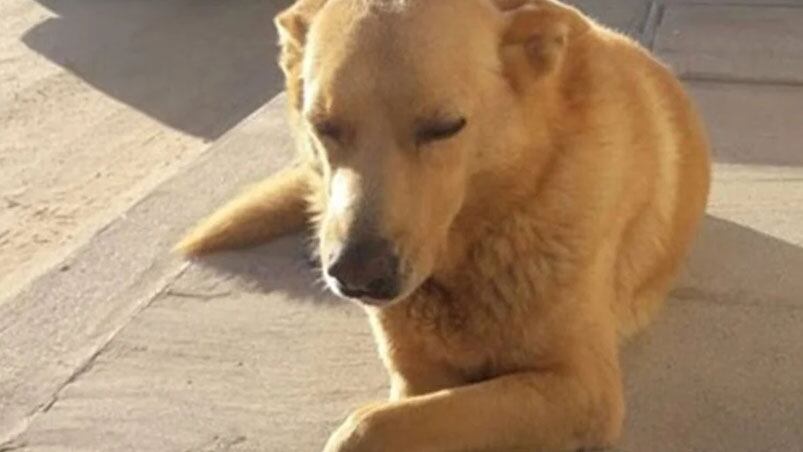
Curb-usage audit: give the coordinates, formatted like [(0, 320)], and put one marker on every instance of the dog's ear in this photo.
[(535, 37), (293, 25)]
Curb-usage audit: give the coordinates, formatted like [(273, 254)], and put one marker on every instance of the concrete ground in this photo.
[(101, 101), (108, 343)]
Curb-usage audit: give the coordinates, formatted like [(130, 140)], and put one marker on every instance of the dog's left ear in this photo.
[(535, 37), (293, 25)]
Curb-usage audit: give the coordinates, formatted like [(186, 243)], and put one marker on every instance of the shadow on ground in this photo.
[(200, 66), (285, 265), (717, 371), (733, 264)]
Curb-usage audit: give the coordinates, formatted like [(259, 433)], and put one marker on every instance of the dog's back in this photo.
[(665, 173)]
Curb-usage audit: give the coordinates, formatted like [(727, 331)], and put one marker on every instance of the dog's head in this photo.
[(404, 103)]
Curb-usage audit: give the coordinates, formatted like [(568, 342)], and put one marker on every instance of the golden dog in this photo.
[(506, 186)]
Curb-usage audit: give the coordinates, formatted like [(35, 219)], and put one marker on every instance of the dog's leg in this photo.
[(271, 208), (565, 407)]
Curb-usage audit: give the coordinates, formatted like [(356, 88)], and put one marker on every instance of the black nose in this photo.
[(366, 269)]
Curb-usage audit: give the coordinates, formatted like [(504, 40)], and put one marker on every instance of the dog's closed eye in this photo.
[(435, 130), (328, 129)]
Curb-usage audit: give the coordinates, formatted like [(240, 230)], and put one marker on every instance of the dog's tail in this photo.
[(271, 208)]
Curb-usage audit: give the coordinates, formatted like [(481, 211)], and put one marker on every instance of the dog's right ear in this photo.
[(293, 25), (535, 37)]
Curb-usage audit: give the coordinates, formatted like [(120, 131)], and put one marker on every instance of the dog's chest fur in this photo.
[(487, 318)]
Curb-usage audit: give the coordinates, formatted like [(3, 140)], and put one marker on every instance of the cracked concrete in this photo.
[(123, 347)]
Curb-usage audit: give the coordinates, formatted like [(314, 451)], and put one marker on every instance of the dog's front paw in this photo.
[(359, 433)]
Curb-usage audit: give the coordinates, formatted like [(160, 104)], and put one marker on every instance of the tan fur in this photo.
[(267, 210), (548, 228)]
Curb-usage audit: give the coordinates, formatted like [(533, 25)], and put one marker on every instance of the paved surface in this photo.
[(124, 348), (102, 100)]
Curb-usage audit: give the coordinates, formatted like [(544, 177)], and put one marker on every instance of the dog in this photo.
[(506, 187)]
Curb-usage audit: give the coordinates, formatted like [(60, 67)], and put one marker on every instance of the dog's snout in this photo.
[(366, 269)]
